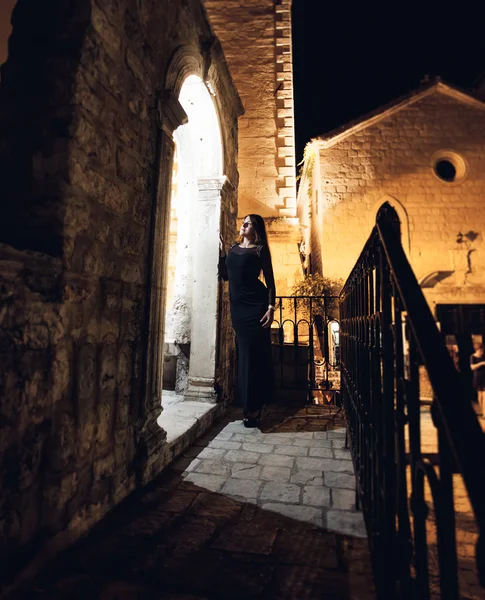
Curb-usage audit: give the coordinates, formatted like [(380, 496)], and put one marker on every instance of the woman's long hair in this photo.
[(259, 228)]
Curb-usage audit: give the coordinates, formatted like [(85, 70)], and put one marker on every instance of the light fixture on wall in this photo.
[(432, 279)]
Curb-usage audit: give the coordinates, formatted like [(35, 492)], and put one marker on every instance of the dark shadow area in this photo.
[(387, 53), (37, 118), (177, 540), (297, 415)]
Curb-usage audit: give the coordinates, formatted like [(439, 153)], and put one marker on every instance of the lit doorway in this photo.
[(191, 302)]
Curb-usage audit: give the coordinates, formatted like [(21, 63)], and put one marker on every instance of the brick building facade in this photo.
[(425, 155), (256, 37)]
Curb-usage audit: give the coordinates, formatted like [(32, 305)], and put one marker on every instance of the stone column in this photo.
[(204, 292), (151, 436)]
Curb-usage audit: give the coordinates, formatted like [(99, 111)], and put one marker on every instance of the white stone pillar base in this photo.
[(201, 389)]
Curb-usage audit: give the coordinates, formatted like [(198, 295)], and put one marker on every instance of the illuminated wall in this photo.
[(6, 7), (256, 39), (393, 157)]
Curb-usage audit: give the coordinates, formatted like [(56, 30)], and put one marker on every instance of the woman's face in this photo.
[(479, 350), (247, 230)]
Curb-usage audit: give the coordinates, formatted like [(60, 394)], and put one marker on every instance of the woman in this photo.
[(477, 365), (252, 311)]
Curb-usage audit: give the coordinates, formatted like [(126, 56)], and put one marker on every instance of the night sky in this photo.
[(351, 57)]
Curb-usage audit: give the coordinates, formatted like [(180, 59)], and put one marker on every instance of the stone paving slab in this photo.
[(276, 474), (275, 460), (309, 469), (243, 514)]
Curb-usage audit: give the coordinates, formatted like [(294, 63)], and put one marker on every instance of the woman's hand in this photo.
[(478, 365), (268, 318), (222, 251)]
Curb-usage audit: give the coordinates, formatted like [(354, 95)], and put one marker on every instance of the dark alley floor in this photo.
[(243, 514)]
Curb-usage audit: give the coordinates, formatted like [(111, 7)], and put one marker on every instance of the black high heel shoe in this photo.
[(252, 421)]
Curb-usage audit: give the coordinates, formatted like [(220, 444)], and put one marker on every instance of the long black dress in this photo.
[(249, 302), (478, 374)]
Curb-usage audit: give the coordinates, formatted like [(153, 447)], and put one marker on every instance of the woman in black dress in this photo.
[(252, 310), (477, 365)]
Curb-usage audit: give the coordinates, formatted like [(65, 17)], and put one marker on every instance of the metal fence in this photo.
[(306, 345), (387, 334)]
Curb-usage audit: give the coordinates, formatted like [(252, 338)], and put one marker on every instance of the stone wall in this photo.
[(82, 167), (256, 36), (5, 28), (392, 160)]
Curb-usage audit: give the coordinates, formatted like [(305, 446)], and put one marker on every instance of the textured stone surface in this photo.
[(213, 468), (340, 480), (308, 476), (242, 456), (266, 163), (351, 523), (466, 527), (244, 488), (80, 168), (291, 450), (274, 460), (276, 473), (281, 492), (184, 541), (390, 159), (261, 448), (301, 513), (317, 496), (246, 471), (266, 140), (325, 453), (213, 483), (343, 499)]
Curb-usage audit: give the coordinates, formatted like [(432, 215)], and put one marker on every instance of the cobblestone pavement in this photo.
[(243, 514), (466, 528)]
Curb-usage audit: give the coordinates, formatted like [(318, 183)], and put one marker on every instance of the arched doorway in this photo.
[(191, 302)]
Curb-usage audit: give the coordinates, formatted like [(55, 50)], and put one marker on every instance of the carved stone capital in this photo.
[(210, 188), (170, 113)]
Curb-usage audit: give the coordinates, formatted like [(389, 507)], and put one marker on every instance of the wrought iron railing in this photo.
[(305, 343), (387, 335)]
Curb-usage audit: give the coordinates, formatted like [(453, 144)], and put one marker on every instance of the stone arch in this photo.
[(191, 293), (187, 62), (403, 219)]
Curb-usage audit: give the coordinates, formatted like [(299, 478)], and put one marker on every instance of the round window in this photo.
[(445, 170), (449, 166)]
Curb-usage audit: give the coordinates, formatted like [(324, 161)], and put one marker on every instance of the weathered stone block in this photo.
[(213, 483), (280, 492), (278, 474), (275, 460), (348, 523), (305, 514), (244, 488), (242, 456)]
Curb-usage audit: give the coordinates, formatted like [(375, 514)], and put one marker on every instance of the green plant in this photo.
[(318, 285)]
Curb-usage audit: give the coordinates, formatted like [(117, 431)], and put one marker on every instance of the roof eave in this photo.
[(324, 142)]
